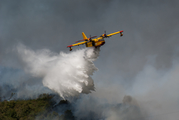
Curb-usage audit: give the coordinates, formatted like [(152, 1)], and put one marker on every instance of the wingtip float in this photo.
[(93, 41)]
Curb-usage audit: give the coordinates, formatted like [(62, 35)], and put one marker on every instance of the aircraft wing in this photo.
[(80, 43), (109, 35)]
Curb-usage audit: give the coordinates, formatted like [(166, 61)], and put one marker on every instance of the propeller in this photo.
[(86, 39), (104, 35), (89, 38)]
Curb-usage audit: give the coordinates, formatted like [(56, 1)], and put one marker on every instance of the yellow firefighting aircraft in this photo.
[(96, 42)]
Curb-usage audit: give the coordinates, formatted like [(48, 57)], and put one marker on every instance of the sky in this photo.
[(143, 63)]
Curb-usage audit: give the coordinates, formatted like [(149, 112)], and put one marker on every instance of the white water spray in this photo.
[(68, 74)]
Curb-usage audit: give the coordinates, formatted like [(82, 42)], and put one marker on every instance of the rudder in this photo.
[(84, 36)]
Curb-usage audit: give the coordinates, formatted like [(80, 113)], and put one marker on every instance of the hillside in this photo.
[(39, 109)]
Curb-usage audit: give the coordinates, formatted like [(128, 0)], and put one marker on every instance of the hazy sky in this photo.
[(150, 28)]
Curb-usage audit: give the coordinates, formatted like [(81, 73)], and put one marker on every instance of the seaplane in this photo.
[(93, 41)]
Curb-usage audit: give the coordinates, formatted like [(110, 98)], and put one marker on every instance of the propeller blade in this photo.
[(86, 39), (80, 40), (93, 36), (104, 35)]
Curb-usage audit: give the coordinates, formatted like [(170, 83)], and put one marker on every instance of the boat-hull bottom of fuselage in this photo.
[(95, 44)]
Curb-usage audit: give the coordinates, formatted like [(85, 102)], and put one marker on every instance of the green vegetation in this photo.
[(39, 109)]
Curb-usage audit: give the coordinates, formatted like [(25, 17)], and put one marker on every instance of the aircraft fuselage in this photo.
[(95, 43)]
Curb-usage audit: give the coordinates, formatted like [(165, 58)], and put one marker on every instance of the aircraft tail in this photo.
[(84, 36)]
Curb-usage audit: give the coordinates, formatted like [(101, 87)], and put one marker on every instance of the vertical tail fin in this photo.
[(84, 36)]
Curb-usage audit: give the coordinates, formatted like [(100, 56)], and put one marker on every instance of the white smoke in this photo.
[(68, 74)]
